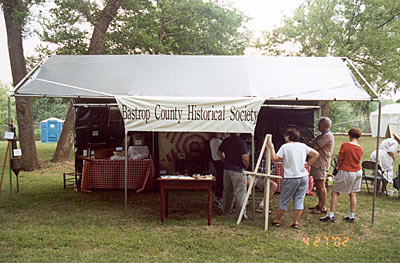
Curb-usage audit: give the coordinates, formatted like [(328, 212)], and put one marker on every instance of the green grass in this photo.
[(52, 224)]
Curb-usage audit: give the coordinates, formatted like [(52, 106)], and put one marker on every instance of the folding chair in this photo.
[(332, 175), (370, 165), (72, 179)]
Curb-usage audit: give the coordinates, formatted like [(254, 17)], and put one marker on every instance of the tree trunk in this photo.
[(100, 29), (324, 109), (14, 15), (65, 142), (64, 145)]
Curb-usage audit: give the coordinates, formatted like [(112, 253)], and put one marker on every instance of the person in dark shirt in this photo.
[(233, 152)]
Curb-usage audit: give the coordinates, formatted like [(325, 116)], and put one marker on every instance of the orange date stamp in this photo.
[(335, 241)]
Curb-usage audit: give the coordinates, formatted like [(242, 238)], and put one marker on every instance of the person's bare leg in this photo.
[(297, 214), (378, 187), (321, 192), (384, 184), (278, 216), (272, 189), (353, 202), (334, 200)]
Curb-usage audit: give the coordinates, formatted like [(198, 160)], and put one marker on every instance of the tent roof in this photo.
[(388, 109), (271, 78)]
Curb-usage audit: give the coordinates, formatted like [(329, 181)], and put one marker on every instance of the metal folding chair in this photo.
[(370, 165)]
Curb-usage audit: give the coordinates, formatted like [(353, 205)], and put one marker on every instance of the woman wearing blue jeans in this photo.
[(293, 156)]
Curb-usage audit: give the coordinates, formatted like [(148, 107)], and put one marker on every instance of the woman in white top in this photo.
[(387, 150), (293, 156)]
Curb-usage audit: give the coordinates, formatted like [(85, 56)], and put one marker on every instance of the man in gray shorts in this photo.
[(323, 143)]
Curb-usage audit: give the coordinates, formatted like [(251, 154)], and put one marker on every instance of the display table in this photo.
[(278, 170), (110, 174), (184, 184)]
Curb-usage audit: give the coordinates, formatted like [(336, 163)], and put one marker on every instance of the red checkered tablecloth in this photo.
[(110, 174), (278, 170)]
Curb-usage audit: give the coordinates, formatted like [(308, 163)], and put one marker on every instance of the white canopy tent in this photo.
[(211, 81), (270, 78), (390, 115)]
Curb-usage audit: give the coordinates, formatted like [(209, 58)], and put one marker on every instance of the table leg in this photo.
[(209, 205), (162, 197), (166, 202)]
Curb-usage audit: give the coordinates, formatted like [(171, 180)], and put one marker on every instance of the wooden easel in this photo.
[(5, 159), (4, 164), (267, 176)]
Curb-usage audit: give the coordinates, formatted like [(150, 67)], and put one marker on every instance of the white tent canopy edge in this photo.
[(271, 78)]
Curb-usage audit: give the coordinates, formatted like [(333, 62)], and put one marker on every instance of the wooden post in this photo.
[(251, 182), (267, 185), (267, 175)]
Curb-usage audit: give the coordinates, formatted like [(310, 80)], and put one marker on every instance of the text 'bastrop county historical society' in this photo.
[(190, 113)]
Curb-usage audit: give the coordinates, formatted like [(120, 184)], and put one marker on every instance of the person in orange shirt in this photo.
[(348, 178)]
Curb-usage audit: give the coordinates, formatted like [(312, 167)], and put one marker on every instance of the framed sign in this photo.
[(17, 152), (9, 135)]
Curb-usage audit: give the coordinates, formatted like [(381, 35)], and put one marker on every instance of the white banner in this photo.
[(189, 114)]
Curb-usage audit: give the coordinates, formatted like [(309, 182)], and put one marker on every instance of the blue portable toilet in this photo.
[(50, 129)]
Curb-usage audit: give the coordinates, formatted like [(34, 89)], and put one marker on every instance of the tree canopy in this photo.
[(150, 27), (366, 31)]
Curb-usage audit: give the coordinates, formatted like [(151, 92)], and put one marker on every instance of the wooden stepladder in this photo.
[(267, 175)]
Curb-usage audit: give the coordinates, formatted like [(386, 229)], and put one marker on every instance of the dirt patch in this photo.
[(46, 165)]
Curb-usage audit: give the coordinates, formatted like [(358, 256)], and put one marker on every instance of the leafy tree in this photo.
[(365, 31), (345, 115), (151, 27), (178, 27), (44, 108)]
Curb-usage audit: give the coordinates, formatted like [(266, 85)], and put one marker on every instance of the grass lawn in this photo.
[(52, 224)]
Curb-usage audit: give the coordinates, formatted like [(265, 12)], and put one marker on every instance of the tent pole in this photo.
[(252, 168), (126, 172), (376, 163), (10, 149)]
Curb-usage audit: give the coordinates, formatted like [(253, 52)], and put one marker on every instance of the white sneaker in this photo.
[(245, 217), (260, 209)]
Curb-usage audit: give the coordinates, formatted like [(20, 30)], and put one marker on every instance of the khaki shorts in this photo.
[(318, 173), (347, 182)]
